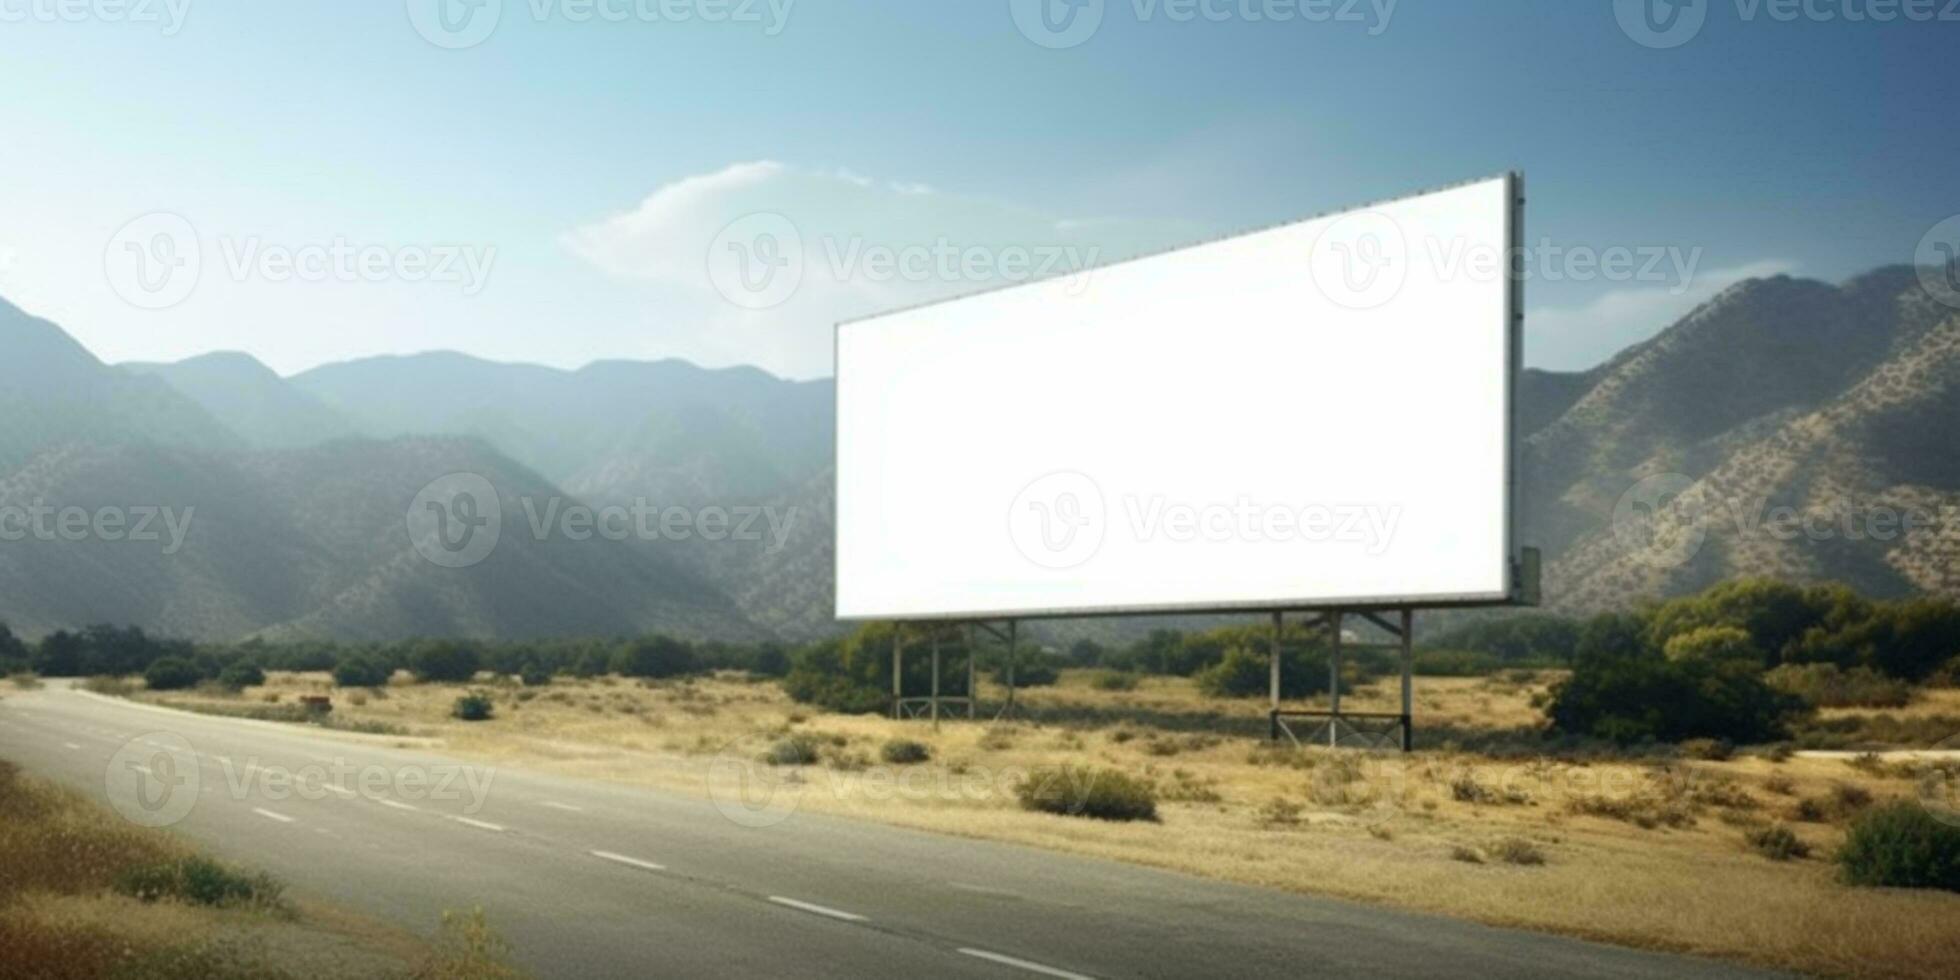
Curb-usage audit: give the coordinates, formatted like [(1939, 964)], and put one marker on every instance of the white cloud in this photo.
[(844, 245), (1573, 338)]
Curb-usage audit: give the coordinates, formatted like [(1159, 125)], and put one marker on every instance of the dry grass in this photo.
[(1645, 852), (62, 862)]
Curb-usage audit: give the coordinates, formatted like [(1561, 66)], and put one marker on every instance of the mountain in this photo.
[(252, 401), (142, 507), (315, 543), (667, 432), (53, 392), (1654, 473), (1839, 403)]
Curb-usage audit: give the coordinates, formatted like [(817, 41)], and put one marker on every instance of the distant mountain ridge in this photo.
[(1779, 392)]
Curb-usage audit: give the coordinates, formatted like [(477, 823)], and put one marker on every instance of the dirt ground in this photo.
[(1650, 852)]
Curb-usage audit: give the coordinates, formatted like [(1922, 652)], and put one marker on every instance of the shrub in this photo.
[(1716, 644), (474, 706), (241, 675), (1456, 663), (653, 656), (1114, 680), (171, 674), (25, 680), (1901, 845), (1777, 843), (467, 948), (1080, 791), (359, 671), (1630, 696), (833, 693), (1281, 812), (591, 663), (904, 752), (771, 660), (115, 687), (533, 674), (1517, 850), (1029, 671), (796, 750), (443, 660), (1707, 749), (199, 881), (1830, 686)]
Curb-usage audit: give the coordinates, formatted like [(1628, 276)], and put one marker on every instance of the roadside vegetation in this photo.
[(86, 895), (1721, 774)]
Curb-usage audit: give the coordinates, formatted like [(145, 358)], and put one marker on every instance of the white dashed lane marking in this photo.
[(629, 861), (478, 824), (816, 909), (269, 815), (567, 807), (1020, 964)]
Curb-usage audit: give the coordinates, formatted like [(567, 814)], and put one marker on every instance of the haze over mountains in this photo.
[(1780, 392)]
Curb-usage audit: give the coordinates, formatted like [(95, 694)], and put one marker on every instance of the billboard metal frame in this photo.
[(1519, 574)]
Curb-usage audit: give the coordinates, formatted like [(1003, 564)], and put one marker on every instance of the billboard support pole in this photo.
[(972, 687), (1408, 679), (1011, 656), (898, 671), (1334, 677), (935, 680), (1278, 627)]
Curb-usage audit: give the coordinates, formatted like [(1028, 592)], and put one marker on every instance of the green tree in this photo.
[(360, 670), (241, 674), (1719, 644), (443, 661), (653, 656), (59, 654), (171, 674)]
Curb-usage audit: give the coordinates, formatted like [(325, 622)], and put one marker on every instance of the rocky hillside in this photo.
[(1788, 427)]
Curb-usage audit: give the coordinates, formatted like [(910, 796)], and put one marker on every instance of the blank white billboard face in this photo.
[(1310, 416)]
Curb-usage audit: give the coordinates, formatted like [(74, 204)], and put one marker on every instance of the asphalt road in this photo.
[(589, 879)]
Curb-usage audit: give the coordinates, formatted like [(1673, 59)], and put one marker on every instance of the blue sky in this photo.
[(601, 159)]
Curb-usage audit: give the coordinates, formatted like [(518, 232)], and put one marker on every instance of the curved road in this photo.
[(589, 879)]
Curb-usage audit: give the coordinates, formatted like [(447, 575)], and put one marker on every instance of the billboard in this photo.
[(1311, 416)]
